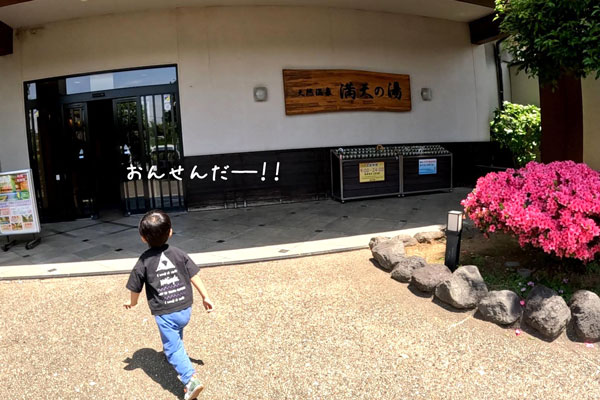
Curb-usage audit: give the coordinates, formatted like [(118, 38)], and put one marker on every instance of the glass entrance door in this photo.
[(150, 143), (85, 131), (131, 150), (81, 172)]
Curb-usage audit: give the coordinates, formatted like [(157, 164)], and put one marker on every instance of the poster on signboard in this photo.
[(18, 209), (428, 166), (371, 172)]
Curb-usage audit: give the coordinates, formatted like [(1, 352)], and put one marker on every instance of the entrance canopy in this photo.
[(31, 13)]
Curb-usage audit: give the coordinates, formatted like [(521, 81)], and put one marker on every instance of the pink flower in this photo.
[(522, 303), (517, 332), (552, 206), (530, 284)]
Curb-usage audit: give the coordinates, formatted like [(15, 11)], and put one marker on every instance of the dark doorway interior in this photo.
[(105, 153)]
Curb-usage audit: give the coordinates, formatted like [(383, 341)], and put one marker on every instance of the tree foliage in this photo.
[(518, 128), (552, 38)]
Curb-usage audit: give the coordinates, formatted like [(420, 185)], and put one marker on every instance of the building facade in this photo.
[(203, 112)]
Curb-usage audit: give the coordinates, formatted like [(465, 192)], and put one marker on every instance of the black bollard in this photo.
[(453, 234)]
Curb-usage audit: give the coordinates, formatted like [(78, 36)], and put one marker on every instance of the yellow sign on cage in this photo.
[(371, 171)]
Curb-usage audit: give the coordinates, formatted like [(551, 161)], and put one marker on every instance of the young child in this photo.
[(168, 274)]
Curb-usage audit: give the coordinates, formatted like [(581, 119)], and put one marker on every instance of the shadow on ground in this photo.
[(156, 366)]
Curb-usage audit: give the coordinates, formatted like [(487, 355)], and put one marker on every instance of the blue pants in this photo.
[(171, 327)]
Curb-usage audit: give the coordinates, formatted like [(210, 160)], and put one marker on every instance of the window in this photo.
[(121, 79)]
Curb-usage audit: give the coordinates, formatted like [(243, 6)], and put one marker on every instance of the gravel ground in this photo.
[(323, 327)]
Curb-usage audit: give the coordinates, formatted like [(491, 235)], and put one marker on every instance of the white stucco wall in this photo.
[(13, 137), (487, 86), (525, 90), (223, 52)]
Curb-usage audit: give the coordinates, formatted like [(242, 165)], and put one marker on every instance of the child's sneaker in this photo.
[(193, 388)]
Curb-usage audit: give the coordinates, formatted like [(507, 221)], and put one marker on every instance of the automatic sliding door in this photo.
[(160, 126), (81, 172), (131, 150), (150, 141)]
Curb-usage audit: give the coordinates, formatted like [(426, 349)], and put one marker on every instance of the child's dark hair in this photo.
[(155, 228)]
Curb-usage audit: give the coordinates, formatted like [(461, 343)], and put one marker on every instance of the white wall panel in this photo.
[(223, 52)]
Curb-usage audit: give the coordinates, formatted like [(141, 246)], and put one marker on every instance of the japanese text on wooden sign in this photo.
[(327, 90)]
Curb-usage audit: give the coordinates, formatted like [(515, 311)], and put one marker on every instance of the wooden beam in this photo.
[(4, 3), (485, 29), (6, 39), (484, 3)]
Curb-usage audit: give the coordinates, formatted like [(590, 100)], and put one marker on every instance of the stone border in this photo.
[(543, 310)]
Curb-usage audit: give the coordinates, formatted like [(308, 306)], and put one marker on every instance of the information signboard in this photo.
[(18, 209), (428, 166), (371, 171)]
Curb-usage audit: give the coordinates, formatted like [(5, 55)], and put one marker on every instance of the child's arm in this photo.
[(132, 301), (206, 302)]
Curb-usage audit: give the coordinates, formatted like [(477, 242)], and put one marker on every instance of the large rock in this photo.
[(501, 307), (546, 312), (585, 309), (403, 271), (464, 289), (388, 253), (407, 240), (426, 279), (429, 237), (376, 240)]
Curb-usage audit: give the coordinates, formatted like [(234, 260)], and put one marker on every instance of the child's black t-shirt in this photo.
[(166, 271)]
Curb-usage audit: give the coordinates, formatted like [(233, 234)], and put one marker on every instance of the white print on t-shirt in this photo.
[(164, 263), (171, 289), (168, 281)]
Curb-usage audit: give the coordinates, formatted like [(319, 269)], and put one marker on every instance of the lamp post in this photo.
[(453, 232)]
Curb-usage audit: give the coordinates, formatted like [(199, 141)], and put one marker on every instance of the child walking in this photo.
[(169, 274)]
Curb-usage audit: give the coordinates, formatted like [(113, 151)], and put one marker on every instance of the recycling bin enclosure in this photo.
[(425, 169), (365, 172)]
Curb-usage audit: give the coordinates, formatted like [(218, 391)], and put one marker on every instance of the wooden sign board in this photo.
[(327, 90)]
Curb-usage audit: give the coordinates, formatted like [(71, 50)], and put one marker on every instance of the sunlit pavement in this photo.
[(228, 236)]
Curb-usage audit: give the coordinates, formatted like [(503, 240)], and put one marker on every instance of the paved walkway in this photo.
[(229, 236)]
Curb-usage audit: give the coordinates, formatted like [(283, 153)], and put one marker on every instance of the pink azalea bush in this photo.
[(555, 207)]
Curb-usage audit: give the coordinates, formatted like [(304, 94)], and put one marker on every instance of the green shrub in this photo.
[(518, 128)]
